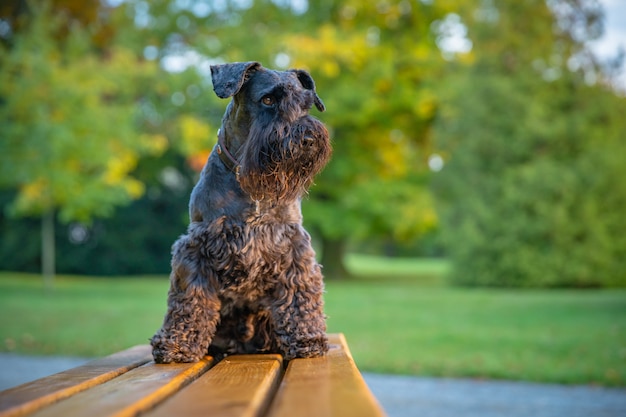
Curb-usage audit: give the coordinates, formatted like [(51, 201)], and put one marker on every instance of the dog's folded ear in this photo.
[(229, 78), (307, 82)]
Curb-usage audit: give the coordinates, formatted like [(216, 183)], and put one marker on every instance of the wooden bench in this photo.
[(129, 383)]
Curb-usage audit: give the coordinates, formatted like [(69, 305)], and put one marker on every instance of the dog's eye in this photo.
[(268, 100)]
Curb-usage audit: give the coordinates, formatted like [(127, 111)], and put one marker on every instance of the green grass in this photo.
[(421, 270), (398, 317), (82, 316)]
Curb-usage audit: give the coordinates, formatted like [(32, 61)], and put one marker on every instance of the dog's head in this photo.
[(267, 129)]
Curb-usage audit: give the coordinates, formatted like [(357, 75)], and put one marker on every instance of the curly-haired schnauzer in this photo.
[(244, 278)]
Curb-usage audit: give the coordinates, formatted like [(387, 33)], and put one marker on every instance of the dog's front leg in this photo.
[(192, 313), (299, 317), (189, 326)]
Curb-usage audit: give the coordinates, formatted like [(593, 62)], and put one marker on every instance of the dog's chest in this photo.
[(249, 257)]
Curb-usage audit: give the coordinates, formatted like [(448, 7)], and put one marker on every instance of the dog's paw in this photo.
[(307, 348), (167, 356), (166, 351)]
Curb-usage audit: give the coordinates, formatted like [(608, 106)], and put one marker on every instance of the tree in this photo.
[(528, 196), (70, 136), (372, 63), (163, 108)]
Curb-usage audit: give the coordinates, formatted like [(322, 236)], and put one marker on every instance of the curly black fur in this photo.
[(244, 277)]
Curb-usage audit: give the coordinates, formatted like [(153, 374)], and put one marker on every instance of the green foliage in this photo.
[(136, 240), (482, 333), (86, 122), (371, 63), (69, 137), (530, 196)]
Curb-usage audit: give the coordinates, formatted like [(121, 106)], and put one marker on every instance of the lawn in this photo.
[(398, 317)]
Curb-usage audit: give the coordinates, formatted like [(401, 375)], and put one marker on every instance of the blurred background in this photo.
[(472, 219)]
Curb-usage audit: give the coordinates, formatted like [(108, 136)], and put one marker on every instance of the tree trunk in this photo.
[(333, 251), (48, 248)]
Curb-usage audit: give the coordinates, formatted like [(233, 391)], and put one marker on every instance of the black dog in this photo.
[(244, 278)]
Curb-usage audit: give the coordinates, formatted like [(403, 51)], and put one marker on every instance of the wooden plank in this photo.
[(129, 394), (32, 396), (238, 386), (327, 386)]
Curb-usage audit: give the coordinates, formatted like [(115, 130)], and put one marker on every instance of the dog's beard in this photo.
[(280, 161)]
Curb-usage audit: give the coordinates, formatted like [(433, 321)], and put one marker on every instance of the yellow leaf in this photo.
[(35, 189), (134, 188), (195, 134), (156, 144), (118, 167)]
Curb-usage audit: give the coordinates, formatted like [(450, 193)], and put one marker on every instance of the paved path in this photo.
[(404, 396)]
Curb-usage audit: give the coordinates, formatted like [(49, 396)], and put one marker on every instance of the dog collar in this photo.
[(226, 157)]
